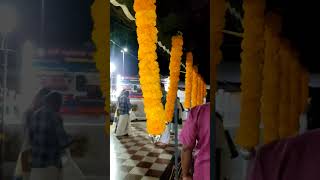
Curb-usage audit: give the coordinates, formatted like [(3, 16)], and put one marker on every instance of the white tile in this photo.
[(157, 150), (130, 162), (142, 153), (135, 148), (149, 159), (139, 171), (165, 156), (124, 156), (159, 167)]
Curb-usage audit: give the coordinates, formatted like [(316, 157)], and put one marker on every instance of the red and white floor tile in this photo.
[(135, 157)]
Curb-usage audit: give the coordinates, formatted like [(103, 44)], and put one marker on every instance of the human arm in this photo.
[(186, 159)]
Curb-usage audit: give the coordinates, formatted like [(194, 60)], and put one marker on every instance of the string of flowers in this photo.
[(252, 56), (284, 106), (295, 90), (188, 80), (100, 38), (271, 72), (199, 94), (218, 14), (148, 66), (304, 89), (194, 86), (174, 67)]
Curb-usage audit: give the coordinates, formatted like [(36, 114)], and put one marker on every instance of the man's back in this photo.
[(46, 134)]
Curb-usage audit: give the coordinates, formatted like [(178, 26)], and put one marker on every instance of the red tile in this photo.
[(152, 154), (137, 157), (131, 151), (144, 164), (163, 161), (154, 173)]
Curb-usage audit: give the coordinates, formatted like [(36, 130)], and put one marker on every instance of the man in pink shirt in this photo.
[(195, 136)]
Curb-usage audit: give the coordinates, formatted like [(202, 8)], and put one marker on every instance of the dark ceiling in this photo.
[(299, 27), (191, 17)]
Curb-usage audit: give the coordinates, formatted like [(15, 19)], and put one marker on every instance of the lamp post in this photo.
[(7, 24), (124, 50)]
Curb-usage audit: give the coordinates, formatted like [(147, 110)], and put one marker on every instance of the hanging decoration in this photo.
[(194, 86), (188, 80), (148, 66), (174, 67), (270, 86), (295, 90), (100, 34), (218, 14), (304, 89), (199, 94), (252, 57), (284, 106)]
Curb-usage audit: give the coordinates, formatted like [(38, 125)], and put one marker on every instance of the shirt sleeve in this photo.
[(188, 135), (64, 139)]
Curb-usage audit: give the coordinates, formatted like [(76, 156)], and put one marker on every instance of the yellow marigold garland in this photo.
[(218, 22), (199, 94), (194, 86), (188, 80), (174, 67), (252, 56), (304, 89), (271, 72), (284, 106), (295, 90), (148, 66), (99, 12)]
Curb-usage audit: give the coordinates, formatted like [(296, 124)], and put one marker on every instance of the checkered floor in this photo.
[(135, 157)]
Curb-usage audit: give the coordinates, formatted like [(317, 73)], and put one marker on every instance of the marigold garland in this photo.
[(271, 71), (284, 106), (295, 90), (194, 86), (100, 33), (199, 94), (148, 66), (252, 56), (304, 89), (174, 67), (188, 80), (218, 14)]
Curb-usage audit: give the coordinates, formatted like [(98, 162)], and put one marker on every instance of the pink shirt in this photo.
[(196, 134)]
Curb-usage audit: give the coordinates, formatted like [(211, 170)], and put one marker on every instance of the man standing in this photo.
[(124, 107), (48, 139)]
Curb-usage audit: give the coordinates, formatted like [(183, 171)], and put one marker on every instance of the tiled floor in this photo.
[(135, 157)]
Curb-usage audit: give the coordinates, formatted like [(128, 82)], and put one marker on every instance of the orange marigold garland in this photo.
[(174, 67), (199, 94), (148, 66), (100, 33), (252, 56), (271, 72), (194, 86), (188, 80)]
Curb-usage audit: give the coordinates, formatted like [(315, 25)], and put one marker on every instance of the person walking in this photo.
[(23, 168), (124, 107), (48, 140)]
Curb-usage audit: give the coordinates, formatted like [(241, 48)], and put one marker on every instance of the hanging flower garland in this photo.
[(174, 67), (271, 71), (188, 80), (148, 66), (252, 56), (194, 86), (199, 94), (284, 106), (101, 56), (218, 14), (295, 90), (304, 89)]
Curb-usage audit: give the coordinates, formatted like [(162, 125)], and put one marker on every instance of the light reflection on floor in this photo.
[(135, 157)]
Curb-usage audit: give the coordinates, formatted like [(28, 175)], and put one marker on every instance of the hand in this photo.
[(188, 177)]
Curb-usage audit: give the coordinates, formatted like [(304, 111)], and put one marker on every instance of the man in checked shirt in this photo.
[(48, 140), (124, 107)]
